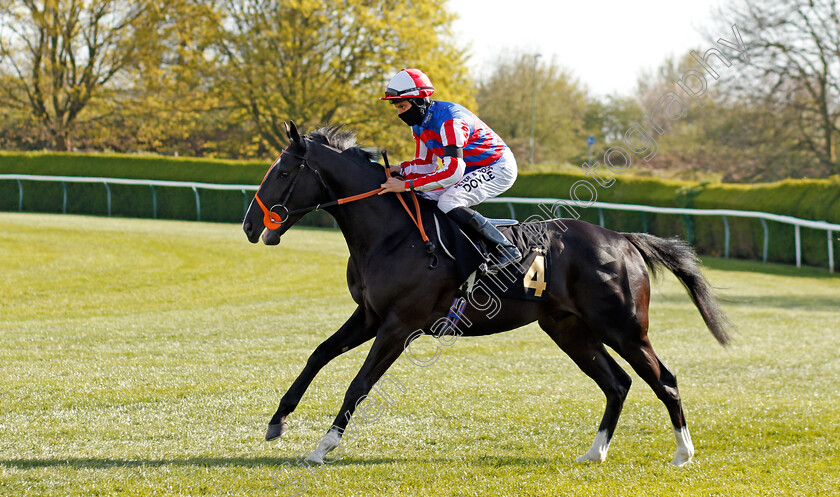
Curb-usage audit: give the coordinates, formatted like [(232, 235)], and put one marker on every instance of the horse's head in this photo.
[(291, 184), (295, 184)]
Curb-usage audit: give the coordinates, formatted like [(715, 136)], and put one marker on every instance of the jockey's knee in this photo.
[(446, 204)]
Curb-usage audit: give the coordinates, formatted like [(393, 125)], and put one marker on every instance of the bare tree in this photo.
[(57, 54), (793, 54)]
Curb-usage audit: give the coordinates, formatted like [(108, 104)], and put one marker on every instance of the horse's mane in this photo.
[(344, 140)]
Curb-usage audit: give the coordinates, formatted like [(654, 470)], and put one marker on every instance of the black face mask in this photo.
[(413, 116)]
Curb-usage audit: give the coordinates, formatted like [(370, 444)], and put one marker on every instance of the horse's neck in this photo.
[(365, 223), (372, 224)]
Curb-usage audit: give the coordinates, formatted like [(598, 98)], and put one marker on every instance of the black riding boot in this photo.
[(508, 253)]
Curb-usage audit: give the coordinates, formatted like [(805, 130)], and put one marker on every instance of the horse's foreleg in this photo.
[(387, 347), (352, 334), (576, 340)]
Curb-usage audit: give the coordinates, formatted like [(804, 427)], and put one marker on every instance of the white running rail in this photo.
[(550, 204)]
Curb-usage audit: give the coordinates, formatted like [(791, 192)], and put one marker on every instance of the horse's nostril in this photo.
[(248, 227)]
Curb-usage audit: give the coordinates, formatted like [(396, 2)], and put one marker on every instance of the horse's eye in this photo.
[(284, 174)]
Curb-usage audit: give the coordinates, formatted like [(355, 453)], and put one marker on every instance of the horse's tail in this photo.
[(679, 258)]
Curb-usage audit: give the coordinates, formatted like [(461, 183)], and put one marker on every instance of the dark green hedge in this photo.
[(807, 199), (134, 167), (130, 200)]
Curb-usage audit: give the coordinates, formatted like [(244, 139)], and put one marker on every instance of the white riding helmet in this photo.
[(409, 83)]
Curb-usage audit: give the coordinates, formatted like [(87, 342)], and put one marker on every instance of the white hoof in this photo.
[(681, 460), (328, 442), (598, 451), (685, 448), (590, 458)]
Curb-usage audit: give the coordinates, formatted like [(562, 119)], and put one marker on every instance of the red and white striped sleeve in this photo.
[(423, 162), (454, 132)]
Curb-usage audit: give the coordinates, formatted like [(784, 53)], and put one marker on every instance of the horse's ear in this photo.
[(293, 133), (288, 133)]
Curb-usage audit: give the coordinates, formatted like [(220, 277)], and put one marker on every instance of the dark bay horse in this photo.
[(597, 296)]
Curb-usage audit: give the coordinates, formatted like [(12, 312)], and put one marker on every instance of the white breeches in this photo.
[(477, 186)]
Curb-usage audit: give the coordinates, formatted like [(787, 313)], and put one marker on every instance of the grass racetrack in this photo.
[(146, 357)]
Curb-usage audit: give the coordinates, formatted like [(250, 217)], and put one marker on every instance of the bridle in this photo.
[(269, 219), (273, 223)]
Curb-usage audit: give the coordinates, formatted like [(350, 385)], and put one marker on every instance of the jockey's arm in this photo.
[(423, 162), (454, 134)]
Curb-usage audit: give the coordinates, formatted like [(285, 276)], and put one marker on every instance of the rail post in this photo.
[(197, 204), (108, 189), (766, 245), (725, 237), (689, 234), (154, 201)]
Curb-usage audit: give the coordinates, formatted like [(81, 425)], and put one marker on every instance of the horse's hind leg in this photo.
[(575, 338), (641, 356), (622, 324), (631, 342), (353, 333)]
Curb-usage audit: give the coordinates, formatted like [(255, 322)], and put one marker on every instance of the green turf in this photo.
[(146, 357)]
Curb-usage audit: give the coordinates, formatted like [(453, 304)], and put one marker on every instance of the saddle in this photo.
[(525, 280)]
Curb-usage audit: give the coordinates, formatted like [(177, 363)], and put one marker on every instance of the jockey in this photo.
[(475, 163)]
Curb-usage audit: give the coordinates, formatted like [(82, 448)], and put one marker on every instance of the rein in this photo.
[(273, 223), (418, 221)]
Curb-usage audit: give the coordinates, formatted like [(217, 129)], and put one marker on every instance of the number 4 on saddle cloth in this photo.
[(525, 280)]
